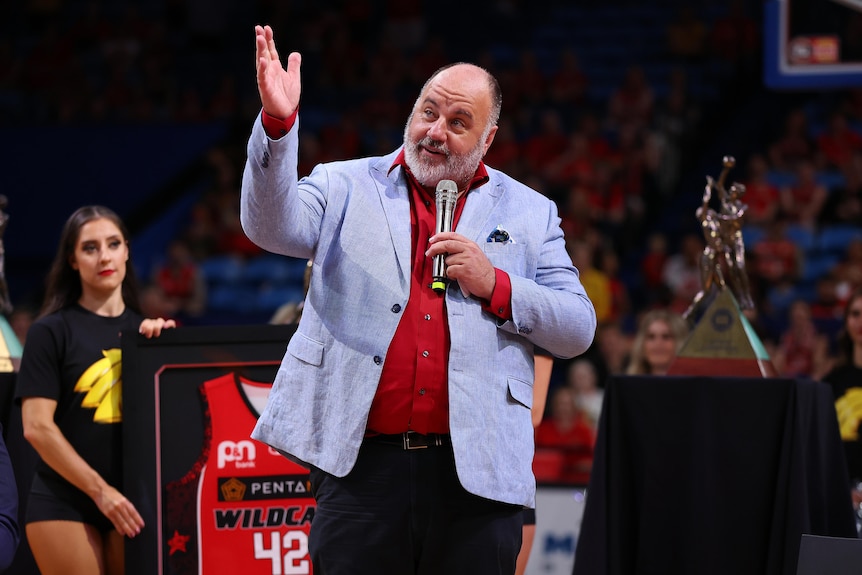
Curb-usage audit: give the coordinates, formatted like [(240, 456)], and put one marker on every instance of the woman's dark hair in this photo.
[(63, 285), (843, 341)]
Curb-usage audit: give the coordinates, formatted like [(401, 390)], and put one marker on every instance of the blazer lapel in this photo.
[(479, 208), (395, 199)]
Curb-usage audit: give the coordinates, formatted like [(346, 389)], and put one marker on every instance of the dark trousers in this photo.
[(404, 512)]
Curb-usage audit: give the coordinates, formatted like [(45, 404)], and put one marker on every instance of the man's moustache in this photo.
[(434, 145)]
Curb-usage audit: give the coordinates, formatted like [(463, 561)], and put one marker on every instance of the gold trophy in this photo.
[(722, 341)]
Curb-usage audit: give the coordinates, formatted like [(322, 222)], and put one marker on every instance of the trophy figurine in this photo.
[(725, 248), (722, 341)]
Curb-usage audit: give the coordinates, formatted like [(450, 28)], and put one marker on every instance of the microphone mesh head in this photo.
[(445, 199), (447, 191)]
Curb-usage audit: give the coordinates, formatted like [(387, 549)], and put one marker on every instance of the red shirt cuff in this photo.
[(276, 128), (501, 300)]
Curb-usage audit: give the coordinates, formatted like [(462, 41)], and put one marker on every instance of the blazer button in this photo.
[(525, 330), (378, 360), (396, 308)]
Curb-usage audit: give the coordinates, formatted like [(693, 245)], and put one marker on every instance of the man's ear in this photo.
[(491, 133)]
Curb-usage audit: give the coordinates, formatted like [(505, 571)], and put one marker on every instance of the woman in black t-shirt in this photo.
[(846, 381), (69, 385)]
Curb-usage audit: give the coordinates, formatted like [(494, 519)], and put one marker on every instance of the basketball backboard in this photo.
[(812, 44)]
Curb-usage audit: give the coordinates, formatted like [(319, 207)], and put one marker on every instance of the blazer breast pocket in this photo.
[(509, 257)]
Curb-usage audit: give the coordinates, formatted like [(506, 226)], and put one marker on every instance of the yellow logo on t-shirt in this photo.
[(849, 408), (103, 383)]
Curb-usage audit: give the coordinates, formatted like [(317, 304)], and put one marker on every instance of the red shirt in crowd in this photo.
[(575, 443)]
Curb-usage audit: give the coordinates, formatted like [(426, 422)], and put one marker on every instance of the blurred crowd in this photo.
[(613, 127)]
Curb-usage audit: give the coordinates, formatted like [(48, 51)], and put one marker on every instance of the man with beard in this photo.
[(410, 406)]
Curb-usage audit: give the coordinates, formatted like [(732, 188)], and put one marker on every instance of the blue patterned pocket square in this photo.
[(499, 235)]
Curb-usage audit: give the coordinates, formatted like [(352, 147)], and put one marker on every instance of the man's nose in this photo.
[(437, 130)]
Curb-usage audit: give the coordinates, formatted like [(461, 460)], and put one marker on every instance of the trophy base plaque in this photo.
[(723, 343)]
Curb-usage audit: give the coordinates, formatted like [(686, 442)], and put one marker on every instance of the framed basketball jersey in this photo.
[(213, 499)]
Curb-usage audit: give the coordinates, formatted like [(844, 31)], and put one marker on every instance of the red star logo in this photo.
[(178, 542)]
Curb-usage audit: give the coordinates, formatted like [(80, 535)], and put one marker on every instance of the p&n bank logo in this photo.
[(241, 453)]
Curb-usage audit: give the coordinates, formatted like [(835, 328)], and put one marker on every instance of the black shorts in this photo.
[(529, 516), (53, 499)]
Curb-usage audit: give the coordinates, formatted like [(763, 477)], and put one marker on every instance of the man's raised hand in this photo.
[(279, 88)]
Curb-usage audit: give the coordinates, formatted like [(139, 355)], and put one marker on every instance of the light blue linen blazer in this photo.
[(353, 219)]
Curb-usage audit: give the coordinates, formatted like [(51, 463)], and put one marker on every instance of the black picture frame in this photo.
[(163, 415)]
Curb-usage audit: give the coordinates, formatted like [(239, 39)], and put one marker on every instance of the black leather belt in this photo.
[(411, 440)]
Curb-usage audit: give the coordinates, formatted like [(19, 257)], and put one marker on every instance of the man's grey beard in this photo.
[(458, 168)]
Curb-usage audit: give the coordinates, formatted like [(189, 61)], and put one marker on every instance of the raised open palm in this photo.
[(279, 87)]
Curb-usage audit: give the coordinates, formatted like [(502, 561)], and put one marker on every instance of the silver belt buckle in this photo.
[(406, 441)]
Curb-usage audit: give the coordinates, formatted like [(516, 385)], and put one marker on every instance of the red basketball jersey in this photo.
[(252, 506)]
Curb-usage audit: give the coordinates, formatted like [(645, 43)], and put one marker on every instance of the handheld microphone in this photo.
[(446, 196)]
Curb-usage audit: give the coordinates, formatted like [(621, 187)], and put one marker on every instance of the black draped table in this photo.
[(700, 475)]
